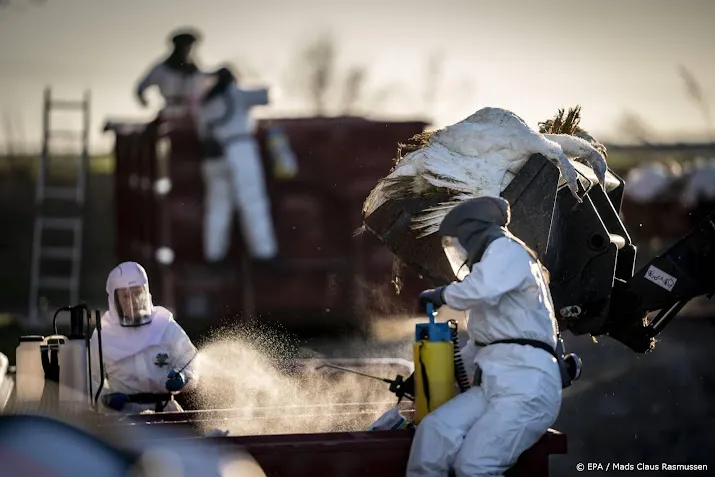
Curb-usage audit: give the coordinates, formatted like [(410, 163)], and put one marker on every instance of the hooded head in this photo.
[(180, 59), (468, 229), (128, 295), (184, 40), (224, 77)]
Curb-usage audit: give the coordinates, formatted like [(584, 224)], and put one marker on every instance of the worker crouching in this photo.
[(516, 395), (147, 355)]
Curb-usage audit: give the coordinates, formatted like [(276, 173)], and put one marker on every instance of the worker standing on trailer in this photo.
[(147, 355), (233, 170), (177, 77), (516, 395)]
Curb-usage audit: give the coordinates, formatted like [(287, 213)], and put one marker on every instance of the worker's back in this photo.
[(227, 114), (181, 90), (514, 299)]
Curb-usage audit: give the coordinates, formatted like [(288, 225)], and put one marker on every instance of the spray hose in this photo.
[(54, 318), (460, 373), (98, 325)]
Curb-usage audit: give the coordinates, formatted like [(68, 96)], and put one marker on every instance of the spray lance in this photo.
[(399, 386), (439, 370), (437, 357), (159, 400), (175, 375)]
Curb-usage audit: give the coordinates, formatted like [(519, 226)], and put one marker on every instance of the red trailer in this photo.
[(355, 454), (324, 270), (315, 439)]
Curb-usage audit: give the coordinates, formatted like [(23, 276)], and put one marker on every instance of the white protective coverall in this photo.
[(483, 431), (235, 180), (138, 359), (700, 185), (181, 90), (648, 182)]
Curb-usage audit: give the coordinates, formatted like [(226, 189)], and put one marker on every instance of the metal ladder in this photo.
[(74, 223)]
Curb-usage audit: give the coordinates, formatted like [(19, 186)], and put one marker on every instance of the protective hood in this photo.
[(179, 59), (128, 295), (224, 79), (469, 228)]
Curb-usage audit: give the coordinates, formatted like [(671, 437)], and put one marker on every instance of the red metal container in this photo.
[(324, 270), (348, 453), (353, 454)]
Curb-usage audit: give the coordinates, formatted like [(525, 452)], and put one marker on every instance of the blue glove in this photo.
[(115, 401), (175, 381), (434, 296)]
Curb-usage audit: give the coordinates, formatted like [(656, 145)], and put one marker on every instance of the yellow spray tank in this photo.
[(434, 352)]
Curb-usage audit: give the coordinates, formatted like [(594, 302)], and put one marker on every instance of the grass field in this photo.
[(61, 166), (64, 168), (17, 214)]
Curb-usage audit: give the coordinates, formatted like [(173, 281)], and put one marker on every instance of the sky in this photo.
[(613, 57)]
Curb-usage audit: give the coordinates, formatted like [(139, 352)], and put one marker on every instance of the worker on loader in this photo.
[(233, 171), (516, 395), (177, 77), (147, 356)]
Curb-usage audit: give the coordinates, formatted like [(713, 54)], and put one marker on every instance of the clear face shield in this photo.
[(133, 305), (457, 256)]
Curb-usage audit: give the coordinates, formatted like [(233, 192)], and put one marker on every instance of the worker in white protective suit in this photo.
[(233, 172), (148, 358), (516, 395), (178, 79), (700, 184), (649, 182)]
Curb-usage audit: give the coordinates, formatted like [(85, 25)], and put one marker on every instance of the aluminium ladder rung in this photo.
[(60, 223), (55, 283), (65, 133), (66, 104), (58, 253), (62, 193)]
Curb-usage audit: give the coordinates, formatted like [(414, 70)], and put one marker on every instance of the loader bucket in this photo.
[(585, 246)]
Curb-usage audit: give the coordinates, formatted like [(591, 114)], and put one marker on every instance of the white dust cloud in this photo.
[(249, 369)]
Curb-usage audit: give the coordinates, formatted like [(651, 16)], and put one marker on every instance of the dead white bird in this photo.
[(479, 156)]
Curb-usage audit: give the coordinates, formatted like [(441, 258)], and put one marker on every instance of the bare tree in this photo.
[(433, 77), (381, 97), (318, 70), (9, 136), (354, 85), (243, 69), (21, 142), (20, 3), (695, 92), (634, 127), (315, 75)]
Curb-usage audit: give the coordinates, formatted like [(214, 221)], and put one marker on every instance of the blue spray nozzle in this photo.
[(430, 312), (432, 331)]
